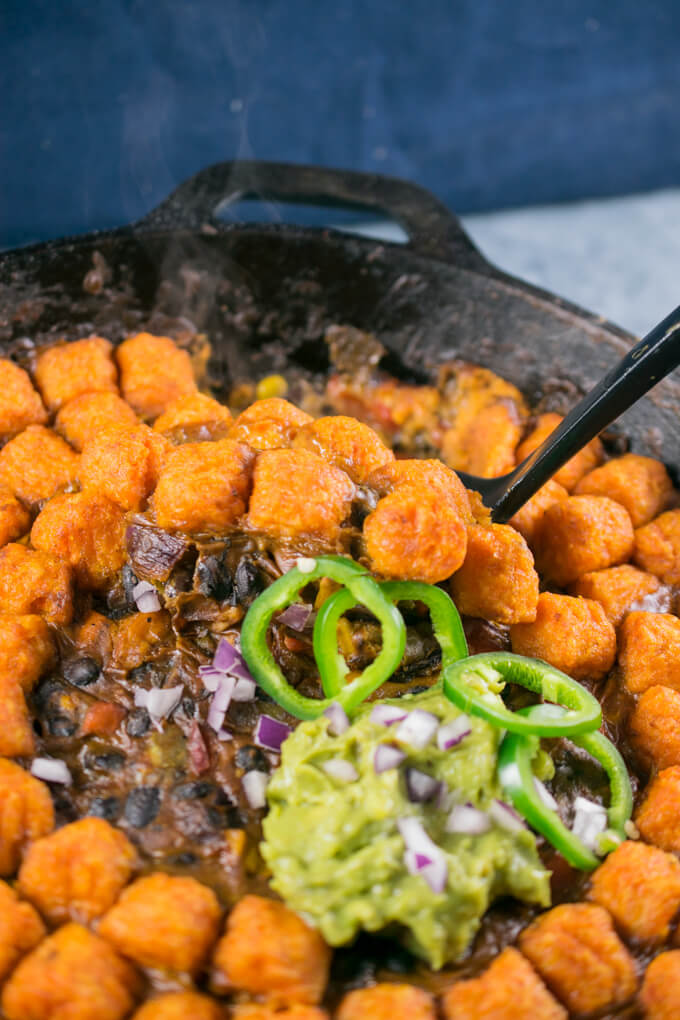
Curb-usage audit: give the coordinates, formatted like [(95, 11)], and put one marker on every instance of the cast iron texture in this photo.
[(265, 294)]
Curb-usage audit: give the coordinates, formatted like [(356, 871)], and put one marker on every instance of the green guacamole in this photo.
[(337, 856)]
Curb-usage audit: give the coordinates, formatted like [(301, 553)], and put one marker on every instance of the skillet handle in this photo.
[(433, 231)]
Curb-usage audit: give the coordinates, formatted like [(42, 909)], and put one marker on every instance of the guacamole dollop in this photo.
[(336, 853)]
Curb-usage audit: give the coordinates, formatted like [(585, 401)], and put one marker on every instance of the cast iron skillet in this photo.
[(265, 294)]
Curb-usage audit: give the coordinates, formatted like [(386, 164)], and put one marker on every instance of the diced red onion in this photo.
[(270, 733), (505, 816), (590, 821), (387, 757), (52, 770), (423, 857), (450, 734), (159, 701), (226, 656), (340, 769), (245, 690), (254, 787), (199, 758), (420, 787), (417, 729), (386, 715), (146, 597), (339, 723), (467, 821), (220, 702), (305, 564), (545, 795), (210, 677), (296, 616)]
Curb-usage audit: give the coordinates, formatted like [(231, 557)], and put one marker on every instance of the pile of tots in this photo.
[(583, 577)]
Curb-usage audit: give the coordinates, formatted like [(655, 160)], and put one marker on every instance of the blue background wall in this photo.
[(105, 106)]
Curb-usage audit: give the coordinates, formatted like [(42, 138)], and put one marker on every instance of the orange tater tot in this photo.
[(413, 534), (124, 464), (387, 1002), (66, 370), (269, 951), (71, 975), (649, 651), (640, 887), (571, 634), (204, 486), (424, 475), (527, 518), (263, 1011), (497, 580), (15, 520), (641, 484), (616, 588), (660, 992), (26, 648), (349, 444), (84, 417), (195, 413), (37, 464), (655, 727), (658, 817), (657, 547), (576, 951), (164, 921), (87, 531), (295, 493), (20, 929), (507, 990), (33, 582), (26, 813), (77, 872), (580, 464), (487, 447), (578, 535), (269, 424), (16, 732), (180, 1006), (154, 371), (20, 404)]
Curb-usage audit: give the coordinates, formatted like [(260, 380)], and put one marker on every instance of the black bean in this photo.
[(213, 578), (248, 582), (109, 761), (61, 726), (105, 807), (81, 672), (148, 674), (251, 758), (142, 806), (184, 860), (193, 791), (137, 722), (189, 706)]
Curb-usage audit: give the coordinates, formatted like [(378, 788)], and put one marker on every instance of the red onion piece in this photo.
[(387, 757), (240, 671), (254, 787), (467, 821), (420, 787), (296, 616), (338, 721), (505, 816), (220, 702), (270, 733), (590, 821), (146, 597), (417, 729), (159, 702), (199, 758), (210, 677), (451, 733), (386, 715), (340, 769), (245, 690), (51, 770), (423, 857), (226, 656), (305, 564)]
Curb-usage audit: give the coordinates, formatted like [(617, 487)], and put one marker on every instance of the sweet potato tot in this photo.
[(640, 887), (154, 372), (66, 370), (658, 817), (509, 989), (349, 444), (89, 414), (20, 403), (37, 464), (26, 814), (570, 474), (20, 929), (497, 580), (641, 484), (572, 634), (387, 1002), (579, 535), (655, 727), (616, 589)]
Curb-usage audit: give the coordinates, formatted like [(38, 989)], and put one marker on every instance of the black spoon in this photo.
[(646, 363)]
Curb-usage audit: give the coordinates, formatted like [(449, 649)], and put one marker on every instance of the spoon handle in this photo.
[(650, 360)]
